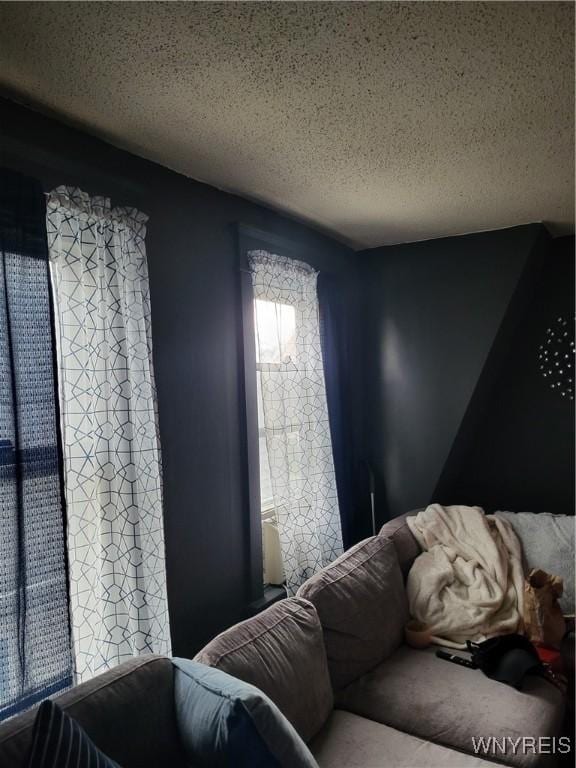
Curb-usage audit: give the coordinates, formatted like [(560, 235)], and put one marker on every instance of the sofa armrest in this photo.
[(128, 712)]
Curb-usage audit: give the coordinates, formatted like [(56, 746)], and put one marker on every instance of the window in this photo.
[(80, 597), (268, 338), (275, 326), (35, 656), (290, 479)]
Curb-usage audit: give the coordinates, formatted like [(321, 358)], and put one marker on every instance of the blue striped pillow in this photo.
[(59, 742)]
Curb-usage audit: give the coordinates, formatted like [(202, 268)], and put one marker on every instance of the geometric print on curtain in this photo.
[(111, 447), (295, 412)]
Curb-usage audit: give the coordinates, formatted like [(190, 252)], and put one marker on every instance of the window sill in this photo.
[(272, 594)]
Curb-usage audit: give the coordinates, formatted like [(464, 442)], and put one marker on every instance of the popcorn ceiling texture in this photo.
[(378, 122)]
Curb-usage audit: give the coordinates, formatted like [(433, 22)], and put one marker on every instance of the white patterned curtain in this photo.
[(295, 414), (109, 425)]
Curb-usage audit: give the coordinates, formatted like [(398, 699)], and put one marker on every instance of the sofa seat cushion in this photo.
[(362, 605), (350, 741), (281, 652), (435, 700)]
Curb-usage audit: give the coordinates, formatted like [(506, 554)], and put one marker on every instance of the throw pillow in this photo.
[(59, 742)]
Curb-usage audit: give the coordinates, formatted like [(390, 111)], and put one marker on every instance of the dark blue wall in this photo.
[(194, 282), (443, 320), (515, 446), (436, 344)]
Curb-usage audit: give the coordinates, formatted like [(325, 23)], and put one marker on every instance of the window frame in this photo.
[(252, 239)]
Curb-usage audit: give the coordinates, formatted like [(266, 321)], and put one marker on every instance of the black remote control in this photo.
[(456, 659)]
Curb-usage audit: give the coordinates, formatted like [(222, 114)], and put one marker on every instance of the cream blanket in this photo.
[(468, 583)]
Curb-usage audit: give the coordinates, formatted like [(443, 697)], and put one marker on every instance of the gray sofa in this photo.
[(333, 660), (366, 700)]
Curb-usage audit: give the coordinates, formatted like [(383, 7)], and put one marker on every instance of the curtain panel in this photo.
[(111, 447), (334, 343), (295, 414), (35, 657)]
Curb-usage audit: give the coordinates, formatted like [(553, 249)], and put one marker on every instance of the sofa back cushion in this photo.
[(407, 548), (361, 602), (127, 712), (281, 652), (225, 721)]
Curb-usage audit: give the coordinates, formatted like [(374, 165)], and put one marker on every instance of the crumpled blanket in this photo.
[(468, 583)]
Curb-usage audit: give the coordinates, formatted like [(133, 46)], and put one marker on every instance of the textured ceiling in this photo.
[(379, 122)]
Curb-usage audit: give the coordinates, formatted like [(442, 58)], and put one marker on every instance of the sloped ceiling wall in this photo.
[(439, 318)]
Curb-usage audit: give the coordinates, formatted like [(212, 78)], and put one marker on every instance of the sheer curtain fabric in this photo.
[(111, 448), (295, 413)]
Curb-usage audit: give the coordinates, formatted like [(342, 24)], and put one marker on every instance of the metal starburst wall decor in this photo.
[(556, 357)]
